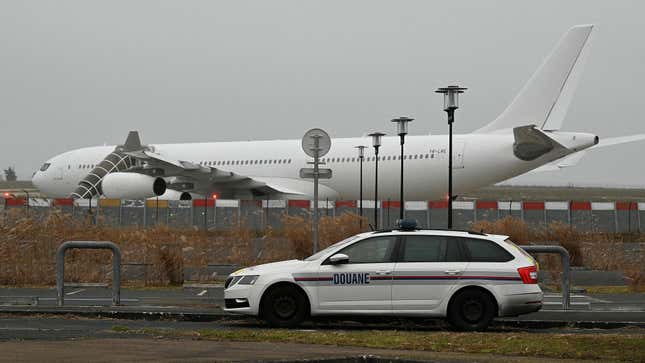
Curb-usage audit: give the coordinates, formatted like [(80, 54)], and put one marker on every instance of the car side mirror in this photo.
[(338, 259)]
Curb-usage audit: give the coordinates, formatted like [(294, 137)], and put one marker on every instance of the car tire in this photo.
[(471, 310), (284, 307)]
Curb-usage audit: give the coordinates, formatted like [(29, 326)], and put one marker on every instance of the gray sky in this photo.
[(81, 73)]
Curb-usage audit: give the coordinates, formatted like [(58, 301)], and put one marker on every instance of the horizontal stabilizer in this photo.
[(573, 159), (565, 162)]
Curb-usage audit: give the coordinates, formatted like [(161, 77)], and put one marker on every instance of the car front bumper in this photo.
[(243, 299)]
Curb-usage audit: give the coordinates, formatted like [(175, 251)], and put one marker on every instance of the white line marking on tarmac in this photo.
[(202, 293), (559, 303), (595, 299), (86, 299), (75, 292)]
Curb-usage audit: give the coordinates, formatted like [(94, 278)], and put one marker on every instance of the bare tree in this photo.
[(10, 174)]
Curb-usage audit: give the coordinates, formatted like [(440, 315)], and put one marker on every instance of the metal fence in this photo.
[(259, 214)]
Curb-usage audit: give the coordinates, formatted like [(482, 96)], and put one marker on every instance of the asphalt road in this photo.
[(73, 339), (208, 299)]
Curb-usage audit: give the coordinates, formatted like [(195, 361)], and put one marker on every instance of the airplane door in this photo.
[(58, 174), (458, 154)]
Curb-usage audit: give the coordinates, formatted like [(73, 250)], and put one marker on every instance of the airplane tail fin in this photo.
[(545, 98)]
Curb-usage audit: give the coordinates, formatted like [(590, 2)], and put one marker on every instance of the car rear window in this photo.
[(481, 250)]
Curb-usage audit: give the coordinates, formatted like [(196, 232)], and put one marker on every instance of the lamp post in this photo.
[(27, 193), (6, 196), (376, 143), (402, 130), (361, 157), (450, 104)]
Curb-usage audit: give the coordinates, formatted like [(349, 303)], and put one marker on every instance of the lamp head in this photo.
[(402, 125), (451, 96), (376, 139), (361, 151)]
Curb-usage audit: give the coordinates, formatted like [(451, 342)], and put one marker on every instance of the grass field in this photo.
[(604, 347)]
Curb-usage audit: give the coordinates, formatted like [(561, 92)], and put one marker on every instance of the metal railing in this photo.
[(566, 268), (94, 245)]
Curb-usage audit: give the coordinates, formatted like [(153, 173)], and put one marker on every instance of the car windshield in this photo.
[(326, 250)]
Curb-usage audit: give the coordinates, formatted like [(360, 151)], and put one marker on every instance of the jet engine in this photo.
[(171, 194), (132, 186)]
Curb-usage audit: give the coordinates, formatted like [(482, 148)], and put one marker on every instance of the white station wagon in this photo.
[(467, 277)]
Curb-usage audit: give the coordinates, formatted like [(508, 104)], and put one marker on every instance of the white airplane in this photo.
[(523, 138)]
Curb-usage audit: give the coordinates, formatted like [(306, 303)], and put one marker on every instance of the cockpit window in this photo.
[(45, 166)]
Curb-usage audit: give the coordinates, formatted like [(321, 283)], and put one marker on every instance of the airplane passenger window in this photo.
[(427, 156), (289, 161)]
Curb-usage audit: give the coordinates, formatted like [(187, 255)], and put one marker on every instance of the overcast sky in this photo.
[(81, 73)]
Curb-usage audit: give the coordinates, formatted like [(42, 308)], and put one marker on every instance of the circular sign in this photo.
[(312, 137)]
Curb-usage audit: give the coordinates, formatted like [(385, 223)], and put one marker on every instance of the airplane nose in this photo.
[(37, 179)]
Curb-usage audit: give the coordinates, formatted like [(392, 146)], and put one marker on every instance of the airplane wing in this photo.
[(181, 175)]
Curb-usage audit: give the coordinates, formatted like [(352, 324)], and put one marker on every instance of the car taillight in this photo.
[(529, 274)]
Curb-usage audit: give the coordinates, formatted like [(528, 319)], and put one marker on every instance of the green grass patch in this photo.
[(608, 289), (621, 347), (120, 329)]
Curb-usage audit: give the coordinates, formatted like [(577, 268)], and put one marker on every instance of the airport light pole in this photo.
[(376, 143), (402, 130), (27, 193), (450, 104), (361, 157), (6, 196)]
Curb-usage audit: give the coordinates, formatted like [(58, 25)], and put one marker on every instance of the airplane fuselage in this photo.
[(478, 160)]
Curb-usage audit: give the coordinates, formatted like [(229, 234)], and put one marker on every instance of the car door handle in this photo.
[(452, 272), (383, 272)]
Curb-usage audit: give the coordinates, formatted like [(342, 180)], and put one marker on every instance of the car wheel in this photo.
[(284, 307), (471, 310)]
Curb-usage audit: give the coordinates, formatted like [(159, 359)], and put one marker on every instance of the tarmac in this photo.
[(88, 328), (203, 303)]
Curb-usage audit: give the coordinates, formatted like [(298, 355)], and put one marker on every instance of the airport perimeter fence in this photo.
[(221, 214)]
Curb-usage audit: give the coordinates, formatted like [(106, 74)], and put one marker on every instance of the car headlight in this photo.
[(242, 280), (248, 279)]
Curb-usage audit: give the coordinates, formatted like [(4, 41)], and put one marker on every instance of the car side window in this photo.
[(454, 252), (481, 250), (372, 250), (421, 248)]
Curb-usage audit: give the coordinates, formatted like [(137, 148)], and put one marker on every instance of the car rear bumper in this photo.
[(521, 299), (526, 308)]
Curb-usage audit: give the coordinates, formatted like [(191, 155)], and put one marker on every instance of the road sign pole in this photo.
[(316, 144), (316, 150)]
